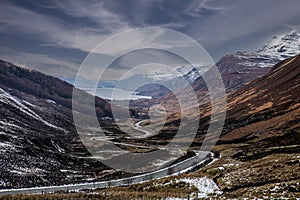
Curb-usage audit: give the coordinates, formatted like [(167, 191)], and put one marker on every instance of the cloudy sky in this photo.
[(55, 36)]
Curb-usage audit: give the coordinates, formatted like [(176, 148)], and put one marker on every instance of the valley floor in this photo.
[(275, 176)]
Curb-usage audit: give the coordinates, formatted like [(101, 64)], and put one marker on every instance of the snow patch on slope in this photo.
[(205, 186), (15, 102)]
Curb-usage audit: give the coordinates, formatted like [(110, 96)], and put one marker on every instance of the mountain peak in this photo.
[(282, 46)]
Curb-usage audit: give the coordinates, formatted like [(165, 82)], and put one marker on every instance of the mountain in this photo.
[(239, 69), (242, 67), (268, 106), (38, 139), (262, 132), (236, 69), (260, 140), (261, 136), (283, 46)]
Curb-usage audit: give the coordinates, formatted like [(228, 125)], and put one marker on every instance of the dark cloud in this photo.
[(62, 32)]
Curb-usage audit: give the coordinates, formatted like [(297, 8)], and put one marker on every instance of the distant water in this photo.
[(116, 94)]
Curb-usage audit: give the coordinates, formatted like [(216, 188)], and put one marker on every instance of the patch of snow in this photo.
[(13, 136), (296, 157), (205, 186), (2, 183), (9, 99), (221, 168), (50, 101), (230, 165), (5, 144), (9, 124), (23, 171), (275, 188), (29, 104), (59, 149), (106, 118)]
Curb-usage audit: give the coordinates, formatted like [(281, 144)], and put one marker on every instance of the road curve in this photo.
[(181, 167), (138, 127)]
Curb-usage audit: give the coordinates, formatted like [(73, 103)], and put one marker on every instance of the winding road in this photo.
[(201, 157), (138, 127), (177, 168)]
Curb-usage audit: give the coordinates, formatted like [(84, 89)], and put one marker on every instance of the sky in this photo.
[(55, 36)]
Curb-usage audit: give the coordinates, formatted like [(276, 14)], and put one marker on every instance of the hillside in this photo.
[(260, 140), (38, 140)]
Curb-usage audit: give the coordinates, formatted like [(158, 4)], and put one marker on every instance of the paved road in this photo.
[(138, 127), (180, 167)]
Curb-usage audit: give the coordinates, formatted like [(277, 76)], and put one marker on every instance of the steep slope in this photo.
[(271, 103), (260, 140), (265, 107), (38, 140)]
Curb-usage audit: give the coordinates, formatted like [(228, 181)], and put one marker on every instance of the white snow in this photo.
[(2, 183), (4, 124), (29, 104), (205, 186), (277, 49), (282, 46), (50, 101), (59, 149), (23, 171), (11, 135), (5, 144), (190, 72), (6, 98), (230, 165), (221, 168)]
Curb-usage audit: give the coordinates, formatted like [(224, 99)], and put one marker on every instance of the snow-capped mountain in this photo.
[(237, 69), (190, 72), (242, 67), (277, 49), (283, 46)]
